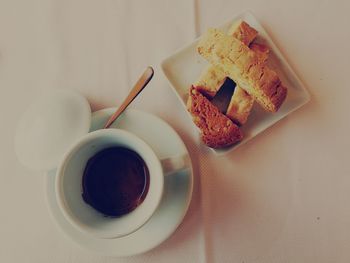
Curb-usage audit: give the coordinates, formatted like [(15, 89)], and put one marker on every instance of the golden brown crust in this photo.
[(243, 32), (217, 131), (244, 66), (240, 106), (261, 50)]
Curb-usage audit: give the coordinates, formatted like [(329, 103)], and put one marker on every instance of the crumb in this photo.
[(318, 218)]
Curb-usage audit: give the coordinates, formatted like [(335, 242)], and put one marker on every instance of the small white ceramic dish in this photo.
[(184, 67), (178, 187), (54, 121)]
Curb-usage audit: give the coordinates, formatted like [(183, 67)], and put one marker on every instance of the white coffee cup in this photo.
[(69, 183)]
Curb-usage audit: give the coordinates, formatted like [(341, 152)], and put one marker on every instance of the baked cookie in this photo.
[(244, 66), (240, 106), (243, 32), (260, 50), (217, 130), (210, 81), (212, 78)]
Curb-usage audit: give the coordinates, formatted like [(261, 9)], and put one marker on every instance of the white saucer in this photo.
[(177, 189)]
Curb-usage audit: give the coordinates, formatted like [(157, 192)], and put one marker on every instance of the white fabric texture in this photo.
[(98, 48), (282, 197)]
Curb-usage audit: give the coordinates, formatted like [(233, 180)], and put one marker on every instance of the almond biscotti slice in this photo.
[(241, 102), (210, 81), (240, 106), (244, 66), (212, 77), (217, 130), (260, 50), (243, 32)]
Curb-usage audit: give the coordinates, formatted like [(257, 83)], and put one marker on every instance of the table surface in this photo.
[(282, 197)]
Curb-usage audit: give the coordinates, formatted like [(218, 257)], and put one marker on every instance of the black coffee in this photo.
[(115, 181)]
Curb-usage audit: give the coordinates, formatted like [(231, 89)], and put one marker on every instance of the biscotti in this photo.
[(240, 106), (241, 102), (217, 130), (212, 78), (260, 50), (246, 34), (244, 66), (243, 32), (210, 81)]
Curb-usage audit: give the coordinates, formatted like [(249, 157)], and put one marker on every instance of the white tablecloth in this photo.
[(283, 197)]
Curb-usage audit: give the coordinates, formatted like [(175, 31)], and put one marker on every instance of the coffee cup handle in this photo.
[(175, 164)]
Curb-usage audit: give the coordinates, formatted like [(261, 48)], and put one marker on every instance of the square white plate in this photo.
[(184, 67)]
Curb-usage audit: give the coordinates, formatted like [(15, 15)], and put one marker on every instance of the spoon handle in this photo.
[(139, 86)]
